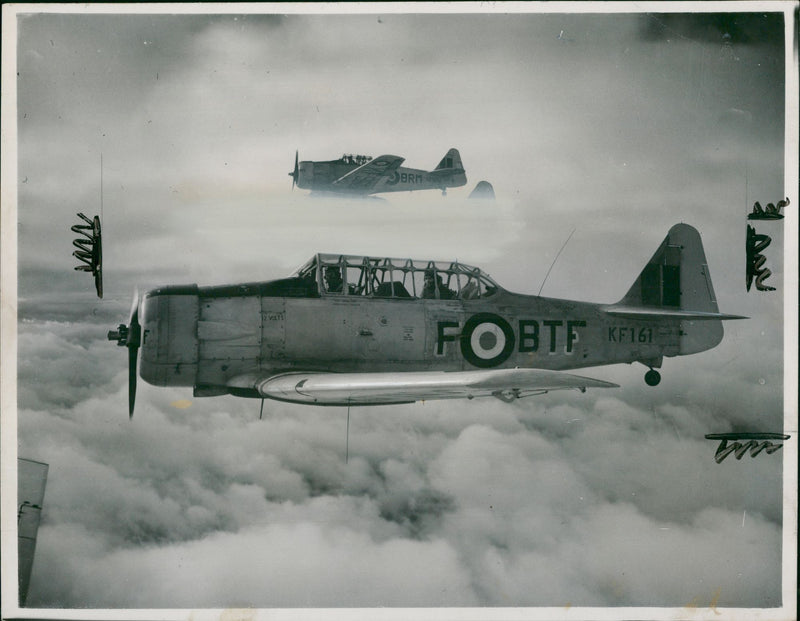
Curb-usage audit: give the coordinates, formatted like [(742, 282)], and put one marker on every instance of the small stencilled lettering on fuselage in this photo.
[(628, 334)]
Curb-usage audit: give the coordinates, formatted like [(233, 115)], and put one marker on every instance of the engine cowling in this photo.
[(169, 349)]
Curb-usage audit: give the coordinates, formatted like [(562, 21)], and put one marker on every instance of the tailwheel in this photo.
[(652, 377)]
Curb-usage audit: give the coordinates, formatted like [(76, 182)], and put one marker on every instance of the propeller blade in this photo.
[(296, 172), (134, 312), (130, 336), (132, 355), (132, 342)]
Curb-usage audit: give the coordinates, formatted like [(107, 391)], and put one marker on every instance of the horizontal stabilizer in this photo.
[(446, 172), (406, 387), (644, 312)]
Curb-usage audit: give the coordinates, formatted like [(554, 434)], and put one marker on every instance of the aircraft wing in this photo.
[(407, 387), (366, 177)]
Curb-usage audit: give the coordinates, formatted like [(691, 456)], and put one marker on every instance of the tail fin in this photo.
[(676, 284), (676, 277), (483, 190), (451, 160), (452, 168)]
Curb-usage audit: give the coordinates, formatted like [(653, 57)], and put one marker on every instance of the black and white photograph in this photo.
[(405, 310)]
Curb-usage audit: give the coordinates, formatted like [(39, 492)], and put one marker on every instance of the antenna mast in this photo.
[(746, 200), (101, 186), (554, 262)]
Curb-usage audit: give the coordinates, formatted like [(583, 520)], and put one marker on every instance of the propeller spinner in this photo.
[(130, 336), (295, 174)]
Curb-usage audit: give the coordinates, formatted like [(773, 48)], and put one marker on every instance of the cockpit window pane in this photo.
[(471, 289), (355, 282)]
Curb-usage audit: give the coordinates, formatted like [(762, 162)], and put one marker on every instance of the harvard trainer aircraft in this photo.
[(362, 175), (353, 330)]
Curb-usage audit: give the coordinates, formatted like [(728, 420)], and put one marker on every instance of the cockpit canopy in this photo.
[(396, 278), (348, 158)]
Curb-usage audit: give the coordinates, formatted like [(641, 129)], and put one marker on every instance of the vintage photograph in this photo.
[(357, 307)]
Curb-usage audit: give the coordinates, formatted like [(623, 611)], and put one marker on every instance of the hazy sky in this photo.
[(614, 126)]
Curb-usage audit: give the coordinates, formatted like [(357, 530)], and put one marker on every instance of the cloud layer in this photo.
[(587, 500)]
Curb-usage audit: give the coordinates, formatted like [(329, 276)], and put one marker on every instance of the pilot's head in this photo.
[(333, 275), (431, 276)]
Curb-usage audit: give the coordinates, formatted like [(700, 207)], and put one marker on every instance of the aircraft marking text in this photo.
[(625, 334), (488, 340), (398, 177)]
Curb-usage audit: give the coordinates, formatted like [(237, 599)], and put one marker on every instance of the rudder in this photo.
[(451, 170), (451, 161), (677, 278)]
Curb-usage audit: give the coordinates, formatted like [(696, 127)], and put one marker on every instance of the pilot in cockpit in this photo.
[(333, 279), (433, 279)]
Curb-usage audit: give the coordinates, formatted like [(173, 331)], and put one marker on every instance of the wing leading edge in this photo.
[(366, 177), (407, 387)]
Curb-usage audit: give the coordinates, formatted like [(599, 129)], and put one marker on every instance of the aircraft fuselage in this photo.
[(348, 329), (319, 177), (204, 336)]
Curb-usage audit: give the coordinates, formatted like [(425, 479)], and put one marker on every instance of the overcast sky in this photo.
[(614, 126)]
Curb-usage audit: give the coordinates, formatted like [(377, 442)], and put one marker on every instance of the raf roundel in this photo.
[(487, 340)]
